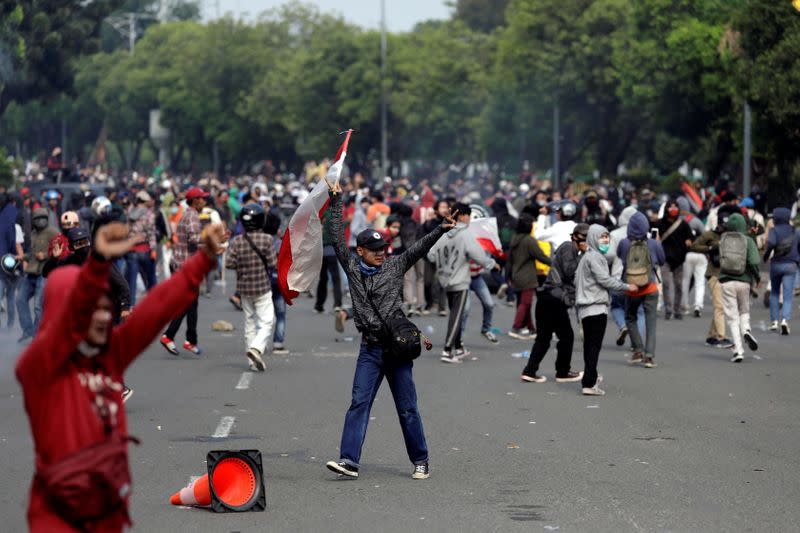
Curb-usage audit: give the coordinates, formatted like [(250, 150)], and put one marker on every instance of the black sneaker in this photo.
[(725, 343), (712, 342), (668, 316), (737, 358), (571, 377), (623, 333), (421, 471), (751, 341), (678, 316), (697, 313), (342, 468)]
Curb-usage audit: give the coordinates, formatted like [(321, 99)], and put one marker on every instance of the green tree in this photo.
[(481, 15), (40, 42)]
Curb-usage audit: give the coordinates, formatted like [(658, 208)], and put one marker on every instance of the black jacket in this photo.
[(385, 288), (560, 282)]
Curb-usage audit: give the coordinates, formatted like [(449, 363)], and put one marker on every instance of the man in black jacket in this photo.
[(375, 281), (556, 296)]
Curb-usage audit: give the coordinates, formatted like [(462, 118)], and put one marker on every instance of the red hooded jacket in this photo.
[(62, 388)]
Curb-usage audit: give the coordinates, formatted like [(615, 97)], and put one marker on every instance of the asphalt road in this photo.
[(698, 444)]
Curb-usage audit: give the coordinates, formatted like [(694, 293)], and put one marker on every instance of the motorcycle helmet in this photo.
[(69, 220), (568, 210), (10, 264), (253, 217), (101, 206), (52, 194)]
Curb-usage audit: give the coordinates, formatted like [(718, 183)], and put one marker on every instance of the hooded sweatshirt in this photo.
[(592, 279), (62, 387), (8, 234), (616, 237), (738, 224), (452, 254), (781, 232), (40, 242), (638, 228), (524, 253)]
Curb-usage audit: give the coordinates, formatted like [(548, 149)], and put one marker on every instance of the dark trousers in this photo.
[(136, 263), (523, 318), (371, 368), (457, 300), (329, 266), (191, 324), (594, 329), (650, 305), (434, 294), (552, 316)]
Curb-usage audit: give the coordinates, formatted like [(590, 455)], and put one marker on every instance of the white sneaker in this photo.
[(256, 360), (593, 391), (785, 327), (773, 326), (737, 358), (449, 359)]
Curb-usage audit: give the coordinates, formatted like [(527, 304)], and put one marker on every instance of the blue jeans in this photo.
[(8, 288), (136, 262), (618, 312), (30, 286), (481, 289), (370, 371), (280, 315), (781, 274)]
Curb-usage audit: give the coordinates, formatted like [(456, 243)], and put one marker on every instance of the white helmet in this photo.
[(101, 206)]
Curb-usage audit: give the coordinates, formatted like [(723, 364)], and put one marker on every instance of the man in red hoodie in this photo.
[(72, 373)]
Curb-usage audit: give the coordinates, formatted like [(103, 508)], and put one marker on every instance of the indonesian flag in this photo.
[(485, 231), (300, 258)]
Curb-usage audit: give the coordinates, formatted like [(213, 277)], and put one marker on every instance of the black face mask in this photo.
[(40, 223), (82, 253)]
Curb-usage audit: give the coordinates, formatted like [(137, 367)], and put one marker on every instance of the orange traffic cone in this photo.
[(195, 493)]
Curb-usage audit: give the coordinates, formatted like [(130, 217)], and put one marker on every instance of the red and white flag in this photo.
[(485, 231), (300, 258)]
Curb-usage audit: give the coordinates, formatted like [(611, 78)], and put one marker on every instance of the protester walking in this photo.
[(782, 252), (188, 236), (739, 263), (142, 259), (553, 303), (252, 256), (641, 258), (452, 255), (377, 298), (522, 257), (592, 285), (31, 286), (675, 237), (329, 269)]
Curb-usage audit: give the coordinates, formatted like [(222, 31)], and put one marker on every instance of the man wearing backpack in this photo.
[(708, 243), (782, 243), (738, 263), (640, 257)]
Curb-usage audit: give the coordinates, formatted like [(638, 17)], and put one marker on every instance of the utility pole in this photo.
[(384, 117), (748, 132), (556, 147)]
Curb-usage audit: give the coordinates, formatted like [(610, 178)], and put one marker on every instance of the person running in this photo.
[(782, 248), (522, 257), (556, 297), (271, 227), (592, 285), (452, 255), (71, 377), (188, 240), (641, 257), (374, 285), (739, 263)]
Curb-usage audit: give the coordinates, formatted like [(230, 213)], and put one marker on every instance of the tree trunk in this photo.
[(137, 151), (121, 153)]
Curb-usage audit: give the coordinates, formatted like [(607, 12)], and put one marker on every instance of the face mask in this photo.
[(673, 211), (173, 210), (603, 248), (40, 223), (82, 253)]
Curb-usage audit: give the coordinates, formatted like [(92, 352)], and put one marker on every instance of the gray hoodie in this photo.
[(451, 255), (592, 279)]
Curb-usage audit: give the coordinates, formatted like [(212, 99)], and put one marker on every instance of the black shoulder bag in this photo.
[(404, 339), (259, 253)]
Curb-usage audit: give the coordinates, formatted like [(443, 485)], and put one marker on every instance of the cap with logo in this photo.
[(371, 240)]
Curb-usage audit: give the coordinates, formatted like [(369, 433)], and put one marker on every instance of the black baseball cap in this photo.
[(371, 240), (76, 235)]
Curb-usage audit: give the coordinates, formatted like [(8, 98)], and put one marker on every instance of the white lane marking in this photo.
[(224, 427), (244, 381)]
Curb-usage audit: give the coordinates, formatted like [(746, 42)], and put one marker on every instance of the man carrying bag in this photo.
[(376, 289)]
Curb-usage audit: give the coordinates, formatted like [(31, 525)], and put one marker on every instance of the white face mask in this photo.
[(87, 350)]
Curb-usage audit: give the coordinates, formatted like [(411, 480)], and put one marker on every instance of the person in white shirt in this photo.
[(561, 231)]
